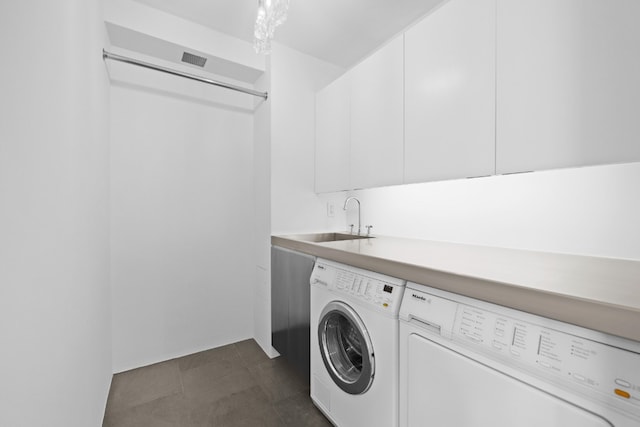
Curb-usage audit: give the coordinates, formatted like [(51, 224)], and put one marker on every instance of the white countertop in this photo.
[(596, 293)]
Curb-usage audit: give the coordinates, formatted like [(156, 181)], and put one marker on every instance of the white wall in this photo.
[(590, 211), (284, 166), (181, 223), (262, 216), (55, 358), (295, 79)]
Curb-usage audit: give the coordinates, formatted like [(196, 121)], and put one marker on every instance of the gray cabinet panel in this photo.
[(290, 306)]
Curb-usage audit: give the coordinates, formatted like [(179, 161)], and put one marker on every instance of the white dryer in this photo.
[(465, 362), (354, 345)]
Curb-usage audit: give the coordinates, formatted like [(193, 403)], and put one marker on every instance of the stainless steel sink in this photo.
[(330, 237)]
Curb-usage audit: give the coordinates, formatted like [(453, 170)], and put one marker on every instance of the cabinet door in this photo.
[(377, 118), (332, 137), (450, 93), (568, 83), (290, 306)]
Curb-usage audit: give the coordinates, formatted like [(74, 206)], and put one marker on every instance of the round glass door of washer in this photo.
[(346, 348)]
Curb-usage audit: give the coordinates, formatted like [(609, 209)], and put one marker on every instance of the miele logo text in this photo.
[(420, 297)]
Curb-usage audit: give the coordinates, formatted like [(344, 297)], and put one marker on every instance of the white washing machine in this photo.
[(465, 362), (354, 345)]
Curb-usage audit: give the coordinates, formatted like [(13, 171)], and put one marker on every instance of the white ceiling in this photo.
[(338, 31)]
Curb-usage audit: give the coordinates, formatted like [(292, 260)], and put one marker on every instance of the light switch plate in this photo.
[(331, 210)]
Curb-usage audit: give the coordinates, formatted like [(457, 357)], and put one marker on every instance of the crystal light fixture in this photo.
[(271, 13)]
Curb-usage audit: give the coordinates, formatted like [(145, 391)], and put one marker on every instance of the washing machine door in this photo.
[(346, 348)]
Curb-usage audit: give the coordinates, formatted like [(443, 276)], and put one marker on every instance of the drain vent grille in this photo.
[(192, 59)]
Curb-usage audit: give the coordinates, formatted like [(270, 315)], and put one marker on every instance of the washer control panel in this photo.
[(580, 358), (376, 290)]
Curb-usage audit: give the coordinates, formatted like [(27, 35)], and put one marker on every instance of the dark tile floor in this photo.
[(235, 385)]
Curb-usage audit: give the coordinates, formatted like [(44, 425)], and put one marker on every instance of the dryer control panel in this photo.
[(378, 291), (574, 356)]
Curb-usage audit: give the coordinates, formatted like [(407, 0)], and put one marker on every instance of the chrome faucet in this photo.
[(346, 202)]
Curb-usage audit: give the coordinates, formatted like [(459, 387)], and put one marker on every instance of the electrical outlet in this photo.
[(331, 210)]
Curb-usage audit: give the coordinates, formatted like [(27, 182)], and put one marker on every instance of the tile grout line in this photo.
[(181, 380)]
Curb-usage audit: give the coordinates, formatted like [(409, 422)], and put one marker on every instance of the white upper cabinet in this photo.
[(489, 86), (332, 137), (377, 114), (450, 93), (568, 83)]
